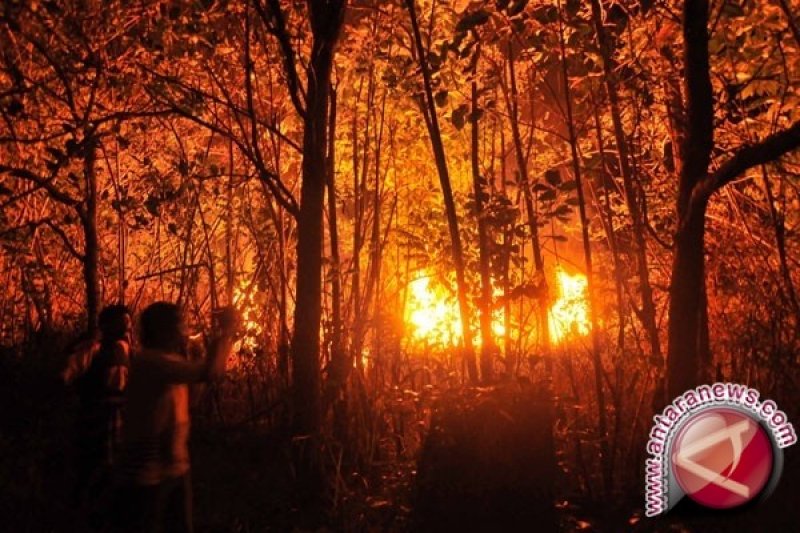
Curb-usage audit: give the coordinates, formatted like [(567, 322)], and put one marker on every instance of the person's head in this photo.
[(162, 327), (114, 322)]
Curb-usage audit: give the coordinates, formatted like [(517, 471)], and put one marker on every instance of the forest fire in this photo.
[(243, 300), (433, 315), (432, 265), (570, 313)]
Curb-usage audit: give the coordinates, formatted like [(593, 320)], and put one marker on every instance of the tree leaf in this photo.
[(553, 177), (471, 20), (459, 116)]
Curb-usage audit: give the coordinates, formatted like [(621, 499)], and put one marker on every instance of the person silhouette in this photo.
[(156, 490)]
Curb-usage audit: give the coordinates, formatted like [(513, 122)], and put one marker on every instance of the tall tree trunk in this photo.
[(512, 104), (508, 240), (686, 340), (608, 223), (359, 200), (230, 276), (432, 123), (372, 293), (91, 242), (369, 295), (648, 313), (326, 21), (340, 363), (488, 346), (688, 353), (605, 460)]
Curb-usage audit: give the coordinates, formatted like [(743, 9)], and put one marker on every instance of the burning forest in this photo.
[(402, 265)]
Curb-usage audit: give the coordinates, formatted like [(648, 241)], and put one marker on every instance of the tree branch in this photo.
[(699, 135), (276, 24), (749, 156), (790, 18), (43, 183), (65, 239)]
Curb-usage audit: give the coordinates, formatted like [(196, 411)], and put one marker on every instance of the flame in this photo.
[(243, 300), (434, 315), (570, 313)]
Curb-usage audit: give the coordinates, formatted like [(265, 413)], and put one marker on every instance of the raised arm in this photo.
[(178, 369)]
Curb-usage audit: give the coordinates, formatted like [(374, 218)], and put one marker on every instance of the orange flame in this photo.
[(569, 315), (435, 317), (243, 300)]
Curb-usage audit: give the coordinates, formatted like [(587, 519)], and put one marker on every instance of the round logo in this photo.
[(722, 458)]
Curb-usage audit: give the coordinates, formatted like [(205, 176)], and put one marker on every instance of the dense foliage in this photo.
[(311, 162)]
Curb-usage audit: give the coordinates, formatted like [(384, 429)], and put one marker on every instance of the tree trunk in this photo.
[(648, 313), (432, 122), (326, 20), (488, 347), (686, 306), (605, 460), (230, 276), (688, 344), (608, 223), (530, 208), (91, 242), (359, 202), (340, 364)]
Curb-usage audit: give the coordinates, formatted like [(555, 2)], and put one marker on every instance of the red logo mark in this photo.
[(722, 458)]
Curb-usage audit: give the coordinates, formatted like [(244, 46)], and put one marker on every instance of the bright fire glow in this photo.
[(569, 315), (243, 300), (434, 315)]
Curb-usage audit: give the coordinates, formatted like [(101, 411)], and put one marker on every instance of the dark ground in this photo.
[(481, 457)]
